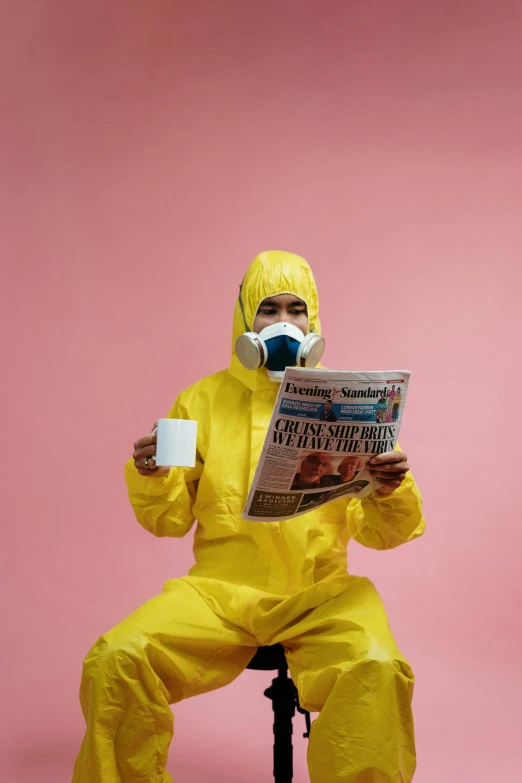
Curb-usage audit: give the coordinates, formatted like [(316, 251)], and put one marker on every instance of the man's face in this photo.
[(284, 307), (348, 468), (314, 467), (328, 405)]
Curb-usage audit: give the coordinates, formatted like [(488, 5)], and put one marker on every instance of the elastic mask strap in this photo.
[(247, 329)]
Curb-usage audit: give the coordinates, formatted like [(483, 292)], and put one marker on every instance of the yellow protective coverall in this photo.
[(252, 584)]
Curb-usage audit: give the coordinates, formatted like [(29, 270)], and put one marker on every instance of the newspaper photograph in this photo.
[(326, 426)]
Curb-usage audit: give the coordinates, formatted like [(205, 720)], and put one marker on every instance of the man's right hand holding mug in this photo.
[(144, 455)]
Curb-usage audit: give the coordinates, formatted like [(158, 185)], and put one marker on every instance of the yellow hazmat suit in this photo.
[(252, 584)]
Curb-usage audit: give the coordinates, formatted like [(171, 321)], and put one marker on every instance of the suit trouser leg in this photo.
[(172, 647), (346, 665)]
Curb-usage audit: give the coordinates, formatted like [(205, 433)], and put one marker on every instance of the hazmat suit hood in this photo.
[(271, 273)]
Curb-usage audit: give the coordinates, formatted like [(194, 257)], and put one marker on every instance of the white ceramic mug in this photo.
[(176, 445)]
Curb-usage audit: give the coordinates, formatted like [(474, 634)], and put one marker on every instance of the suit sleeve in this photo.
[(387, 521), (163, 505)]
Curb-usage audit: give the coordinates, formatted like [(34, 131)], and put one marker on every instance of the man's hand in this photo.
[(389, 470), (144, 454)]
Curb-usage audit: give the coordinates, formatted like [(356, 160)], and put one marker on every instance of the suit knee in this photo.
[(373, 672), (380, 670), (111, 654), (385, 664)]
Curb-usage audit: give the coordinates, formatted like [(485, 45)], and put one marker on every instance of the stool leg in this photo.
[(308, 719), (282, 694)]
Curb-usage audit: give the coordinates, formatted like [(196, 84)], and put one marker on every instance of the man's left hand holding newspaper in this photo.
[(389, 470)]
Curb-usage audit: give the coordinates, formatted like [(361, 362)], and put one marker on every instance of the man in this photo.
[(327, 414), (380, 410), (348, 469), (396, 405), (313, 468), (256, 583)]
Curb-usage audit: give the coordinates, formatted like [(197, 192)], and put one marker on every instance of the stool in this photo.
[(285, 701)]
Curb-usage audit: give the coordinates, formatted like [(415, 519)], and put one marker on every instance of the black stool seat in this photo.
[(269, 658), (285, 701)]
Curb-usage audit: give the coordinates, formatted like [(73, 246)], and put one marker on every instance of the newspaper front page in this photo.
[(326, 426)]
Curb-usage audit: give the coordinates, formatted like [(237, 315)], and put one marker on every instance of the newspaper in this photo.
[(326, 426)]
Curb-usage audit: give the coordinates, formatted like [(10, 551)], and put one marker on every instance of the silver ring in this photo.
[(147, 462)]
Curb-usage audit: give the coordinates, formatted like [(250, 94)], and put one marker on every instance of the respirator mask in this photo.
[(278, 346)]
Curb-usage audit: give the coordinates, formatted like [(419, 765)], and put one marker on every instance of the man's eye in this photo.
[(298, 312), (267, 310)]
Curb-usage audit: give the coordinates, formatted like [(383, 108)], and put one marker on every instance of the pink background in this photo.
[(150, 150)]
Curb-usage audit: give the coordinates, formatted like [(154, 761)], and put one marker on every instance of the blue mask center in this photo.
[(282, 352)]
